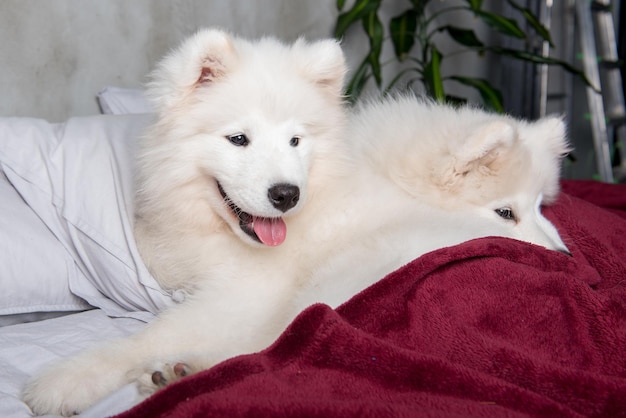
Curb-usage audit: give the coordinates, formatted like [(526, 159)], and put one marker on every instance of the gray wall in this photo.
[(55, 55)]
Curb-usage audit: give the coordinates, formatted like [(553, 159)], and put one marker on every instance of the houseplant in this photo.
[(412, 33)]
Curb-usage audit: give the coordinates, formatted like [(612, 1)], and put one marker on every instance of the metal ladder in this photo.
[(606, 101)]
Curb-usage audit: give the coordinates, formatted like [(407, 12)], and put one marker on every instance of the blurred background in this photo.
[(57, 55)]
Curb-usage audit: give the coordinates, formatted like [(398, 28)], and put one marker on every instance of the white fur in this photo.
[(404, 178)]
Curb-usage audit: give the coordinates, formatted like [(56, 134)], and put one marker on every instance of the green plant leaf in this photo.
[(399, 76), (357, 82), (402, 29), (533, 21), (432, 76), (475, 4), (502, 24), (375, 33), (340, 4), (492, 97), (360, 9), (465, 37)]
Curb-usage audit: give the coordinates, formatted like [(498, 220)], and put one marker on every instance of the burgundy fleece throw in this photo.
[(491, 327)]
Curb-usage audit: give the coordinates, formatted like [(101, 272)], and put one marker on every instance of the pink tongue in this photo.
[(271, 231)]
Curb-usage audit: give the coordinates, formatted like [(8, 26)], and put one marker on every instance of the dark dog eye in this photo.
[(239, 140), (294, 141), (506, 213)]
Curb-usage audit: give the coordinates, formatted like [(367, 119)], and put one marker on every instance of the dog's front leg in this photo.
[(208, 328)]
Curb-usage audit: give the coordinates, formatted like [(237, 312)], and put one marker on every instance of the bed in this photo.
[(491, 327)]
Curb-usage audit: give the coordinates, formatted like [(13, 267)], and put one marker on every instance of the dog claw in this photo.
[(158, 379), (161, 378), (181, 370)]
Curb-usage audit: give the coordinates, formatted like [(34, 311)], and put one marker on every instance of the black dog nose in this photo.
[(284, 196)]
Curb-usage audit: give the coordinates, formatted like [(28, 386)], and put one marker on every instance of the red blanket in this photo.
[(492, 327)]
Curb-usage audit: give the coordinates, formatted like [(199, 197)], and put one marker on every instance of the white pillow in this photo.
[(122, 101), (78, 178), (34, 266)]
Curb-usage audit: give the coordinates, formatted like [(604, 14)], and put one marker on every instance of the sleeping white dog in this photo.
[(257, 196)]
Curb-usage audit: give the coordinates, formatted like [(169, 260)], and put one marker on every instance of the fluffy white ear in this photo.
[(546, 140), (482, 148), (323, 62), (216, 53), (202, 58), (549, 133)]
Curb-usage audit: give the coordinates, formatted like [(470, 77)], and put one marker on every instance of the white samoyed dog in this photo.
[(259, 193)]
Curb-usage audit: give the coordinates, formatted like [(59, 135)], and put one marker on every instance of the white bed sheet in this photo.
[(26, 348)]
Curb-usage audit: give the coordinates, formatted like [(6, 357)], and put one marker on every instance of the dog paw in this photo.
[(59, 392), (161, 378), (73, 385), (162, 374)]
